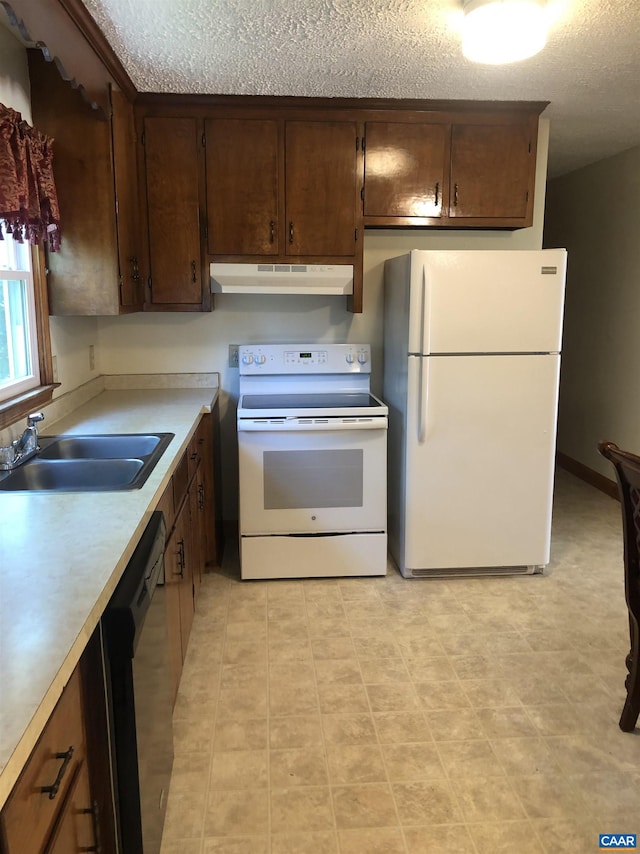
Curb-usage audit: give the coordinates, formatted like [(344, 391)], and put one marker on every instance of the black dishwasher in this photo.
[(140, 704)]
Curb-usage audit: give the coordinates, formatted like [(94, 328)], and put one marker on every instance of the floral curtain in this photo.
[(28, 200)]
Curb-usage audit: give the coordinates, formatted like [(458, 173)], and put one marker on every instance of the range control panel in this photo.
[(304, 359)]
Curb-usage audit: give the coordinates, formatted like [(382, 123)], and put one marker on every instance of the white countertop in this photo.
[(62, 555)]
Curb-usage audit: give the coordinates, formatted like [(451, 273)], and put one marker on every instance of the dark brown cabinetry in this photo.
[(96, 271), (453, 171), (492, 172), (210, 499), (242, 186), (171, 172), (320, 183), (188, 504), (405, 169), (278, 188)]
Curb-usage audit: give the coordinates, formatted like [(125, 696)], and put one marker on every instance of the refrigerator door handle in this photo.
[(423, 397), (423, 305)]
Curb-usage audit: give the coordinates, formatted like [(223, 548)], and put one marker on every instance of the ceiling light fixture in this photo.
[(500, 31)]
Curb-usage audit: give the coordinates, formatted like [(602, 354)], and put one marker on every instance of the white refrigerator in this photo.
[(471, 367)]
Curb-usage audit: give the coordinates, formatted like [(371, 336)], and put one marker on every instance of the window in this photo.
[(25, 352), (19, 367)]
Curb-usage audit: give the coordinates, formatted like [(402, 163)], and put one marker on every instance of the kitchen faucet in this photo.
[(23, 448)]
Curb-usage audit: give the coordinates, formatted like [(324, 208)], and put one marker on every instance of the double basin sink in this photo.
[(88, 463)]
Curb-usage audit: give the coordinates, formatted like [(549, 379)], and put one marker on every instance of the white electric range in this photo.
[(312, 443)]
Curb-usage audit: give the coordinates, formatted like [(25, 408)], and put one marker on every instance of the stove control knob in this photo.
[(260, 360), (349, 358), (363, 358), (247, 359)]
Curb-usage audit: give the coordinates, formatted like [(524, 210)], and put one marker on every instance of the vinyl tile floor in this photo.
[(406, 716)]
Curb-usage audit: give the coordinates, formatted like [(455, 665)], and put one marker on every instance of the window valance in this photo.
[(28, 200)]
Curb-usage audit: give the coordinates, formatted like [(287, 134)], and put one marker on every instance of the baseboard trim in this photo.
[(593, 478)]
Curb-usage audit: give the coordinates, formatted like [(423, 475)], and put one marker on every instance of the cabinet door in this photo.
[(242, 186), (174, 575), (491, 171), (404, 169), (77, 828), (171, 152), (320, 188), (206, 489), (83, 276), (126, 199), (35, 802), (196, 554), (185, 525)]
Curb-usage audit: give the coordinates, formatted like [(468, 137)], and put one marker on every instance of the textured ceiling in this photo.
[(589, 70)]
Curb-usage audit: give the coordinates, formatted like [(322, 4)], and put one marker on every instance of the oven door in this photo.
[(307, 478)]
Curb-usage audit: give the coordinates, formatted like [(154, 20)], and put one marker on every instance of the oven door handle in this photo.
[(317, 425)]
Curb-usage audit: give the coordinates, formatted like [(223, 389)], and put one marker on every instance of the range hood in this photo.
[(281, 279)]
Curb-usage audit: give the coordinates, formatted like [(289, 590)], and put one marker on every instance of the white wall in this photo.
[(70, 337), (595, 213), (173, 343)]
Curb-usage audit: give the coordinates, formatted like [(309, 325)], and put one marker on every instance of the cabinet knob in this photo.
[(290, 232), (272, 231), (455, 195), (193, 271)]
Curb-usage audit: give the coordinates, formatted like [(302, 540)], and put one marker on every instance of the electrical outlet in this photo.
[(92, 357), (233, 355)]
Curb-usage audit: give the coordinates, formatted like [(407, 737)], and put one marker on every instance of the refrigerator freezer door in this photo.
[(479, 461), (486, 301)]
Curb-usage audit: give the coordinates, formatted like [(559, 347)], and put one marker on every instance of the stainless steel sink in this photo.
[(72, 475), (111, 447), (89, 463)]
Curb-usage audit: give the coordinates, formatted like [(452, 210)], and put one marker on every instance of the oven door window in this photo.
[(313, 478), (312, 482)]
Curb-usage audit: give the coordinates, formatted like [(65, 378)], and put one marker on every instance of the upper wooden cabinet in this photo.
[(96, 271), (492, 172), (242, 186), (171, 176), (405, 169), (59, 804), (281, 189), (452, 170), (320, 184)]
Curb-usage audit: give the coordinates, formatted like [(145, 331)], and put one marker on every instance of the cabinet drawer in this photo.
[(30, 812)]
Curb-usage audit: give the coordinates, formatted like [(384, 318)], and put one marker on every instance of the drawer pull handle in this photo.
[(200, 496), (290, 232), (194, 455), (95, 816), (52, 791), (181, 561)]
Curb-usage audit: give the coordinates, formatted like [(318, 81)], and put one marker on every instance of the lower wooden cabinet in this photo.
[(52, 807), (188, 504), (180, 598), (78, 827)]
